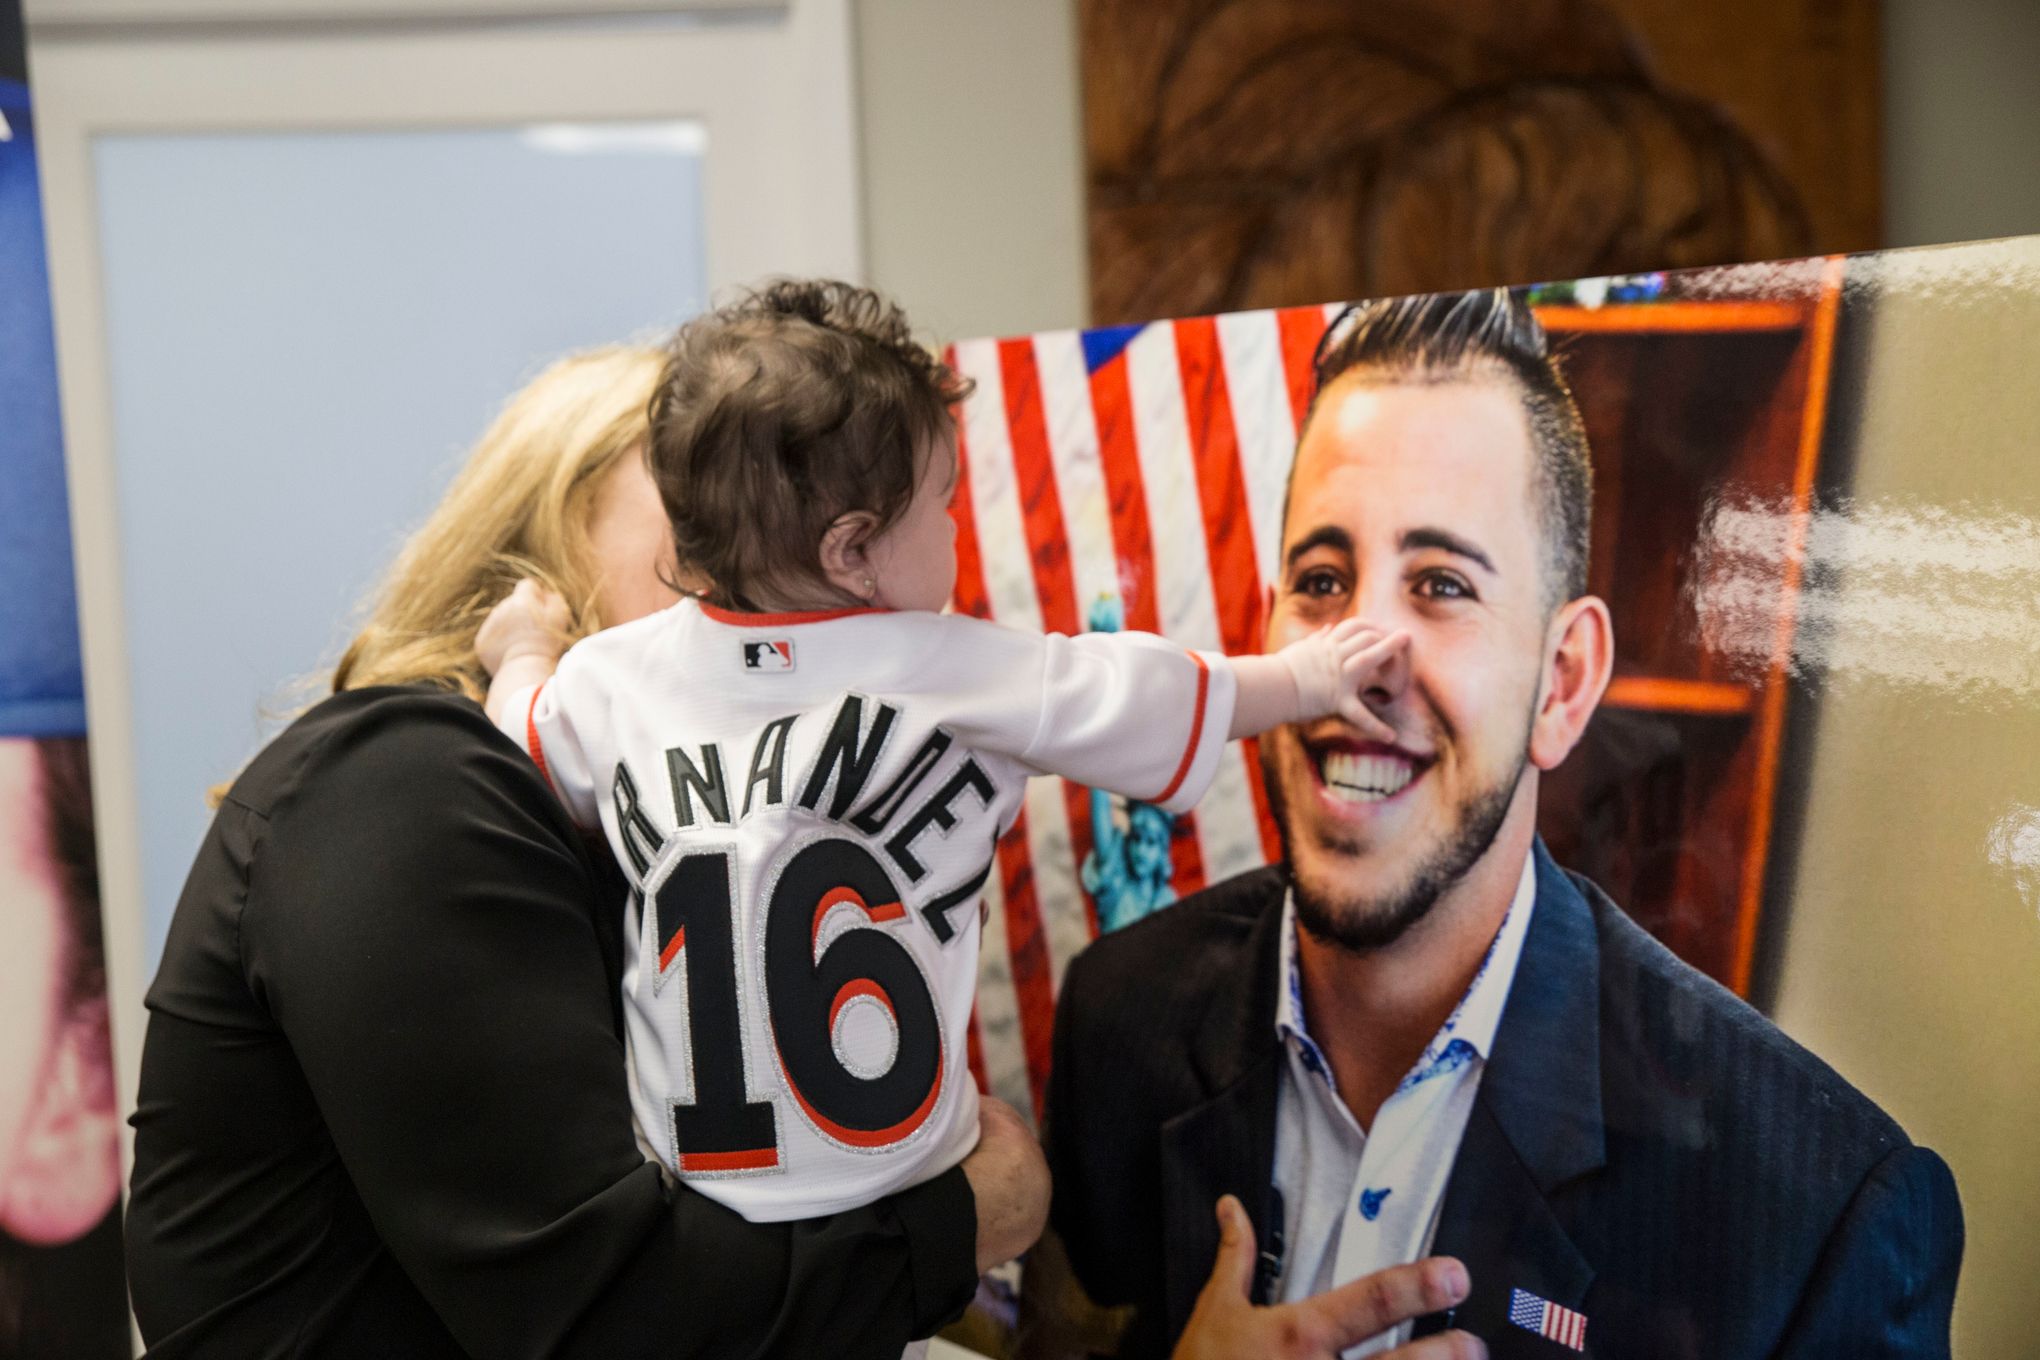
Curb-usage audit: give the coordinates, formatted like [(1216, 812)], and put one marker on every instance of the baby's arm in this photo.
[(520, 645), (1143, 717), (1318, 676)]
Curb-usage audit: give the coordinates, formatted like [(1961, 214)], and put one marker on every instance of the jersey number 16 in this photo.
[(723, 1132)]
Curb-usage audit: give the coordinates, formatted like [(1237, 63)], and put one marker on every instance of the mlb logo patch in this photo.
[(774, 654)]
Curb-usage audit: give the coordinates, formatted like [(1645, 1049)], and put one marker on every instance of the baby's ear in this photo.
[(844, 561), (65, 1173)]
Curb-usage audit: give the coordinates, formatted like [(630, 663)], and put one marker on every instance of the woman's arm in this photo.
[(419, 924)]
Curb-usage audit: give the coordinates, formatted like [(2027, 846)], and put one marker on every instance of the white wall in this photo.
[(973, 163), (1961, 120)]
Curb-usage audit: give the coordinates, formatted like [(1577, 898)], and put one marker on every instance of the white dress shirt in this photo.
[(1357, 1201)]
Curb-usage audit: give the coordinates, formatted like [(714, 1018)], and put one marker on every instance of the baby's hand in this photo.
[(530, 621), (1334, 666)]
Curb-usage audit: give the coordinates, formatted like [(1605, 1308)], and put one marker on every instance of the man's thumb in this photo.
[(1234, 1270)]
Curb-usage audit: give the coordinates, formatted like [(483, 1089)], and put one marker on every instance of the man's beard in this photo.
[(1365, 925)]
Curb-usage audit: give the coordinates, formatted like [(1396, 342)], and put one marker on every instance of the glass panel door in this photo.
[(305, 330)]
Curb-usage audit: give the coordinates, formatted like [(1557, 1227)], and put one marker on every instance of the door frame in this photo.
[(773, 84)]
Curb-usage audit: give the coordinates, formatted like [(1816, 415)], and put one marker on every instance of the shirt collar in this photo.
[(1468, 1031), (739, 618)]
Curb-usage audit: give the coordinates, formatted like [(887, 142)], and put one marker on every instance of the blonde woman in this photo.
[(383, 1106)]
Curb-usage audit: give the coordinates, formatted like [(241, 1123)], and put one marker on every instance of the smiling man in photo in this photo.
[(1418, 1035)]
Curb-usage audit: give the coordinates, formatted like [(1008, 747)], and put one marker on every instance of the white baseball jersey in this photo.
[(807, 805)]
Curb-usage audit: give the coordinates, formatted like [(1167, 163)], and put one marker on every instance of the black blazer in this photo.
[(1644, 1149), (383, 1112)]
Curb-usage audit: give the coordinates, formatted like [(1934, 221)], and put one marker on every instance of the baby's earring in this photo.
[(870, 589)]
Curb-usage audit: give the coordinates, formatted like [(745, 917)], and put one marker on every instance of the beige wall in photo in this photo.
[(1912, 958)]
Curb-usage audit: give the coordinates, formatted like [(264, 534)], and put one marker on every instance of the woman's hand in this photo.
[(1009, 1177), (531, 621)]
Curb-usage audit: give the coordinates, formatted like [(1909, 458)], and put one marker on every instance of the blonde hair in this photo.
[(519, 507)]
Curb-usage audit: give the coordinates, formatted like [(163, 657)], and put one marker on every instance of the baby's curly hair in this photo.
[(802, 401)]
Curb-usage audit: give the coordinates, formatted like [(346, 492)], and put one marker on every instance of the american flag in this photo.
[(1547, 1319), (1125, 476)]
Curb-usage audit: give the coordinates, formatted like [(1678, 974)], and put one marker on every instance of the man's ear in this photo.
[(1579, 650), (844, 560), (65, 1172)]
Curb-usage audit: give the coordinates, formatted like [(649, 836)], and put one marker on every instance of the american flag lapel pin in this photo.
[(1548, 1320)]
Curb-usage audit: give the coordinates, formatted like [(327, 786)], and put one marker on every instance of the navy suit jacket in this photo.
[(1644, 1148)]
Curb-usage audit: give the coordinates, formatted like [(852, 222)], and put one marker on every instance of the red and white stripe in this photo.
[(1251, 343), (1564, 1326), (994, 580), (1001, 1067), (1187, 595), (1157, 480)]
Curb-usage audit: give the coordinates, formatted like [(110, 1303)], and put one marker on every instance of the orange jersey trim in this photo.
[(1196, 731), (534, 744), (737, 619), (756, 1160)]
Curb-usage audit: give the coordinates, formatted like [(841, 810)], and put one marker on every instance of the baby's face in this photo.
[(914, 562)]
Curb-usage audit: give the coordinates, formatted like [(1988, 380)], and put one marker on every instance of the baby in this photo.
[(804, 769)]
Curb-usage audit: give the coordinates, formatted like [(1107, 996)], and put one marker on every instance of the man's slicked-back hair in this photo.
[(1451, 337)]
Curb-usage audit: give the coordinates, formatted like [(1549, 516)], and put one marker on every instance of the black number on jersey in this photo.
[(806, 994), (720, 1131)]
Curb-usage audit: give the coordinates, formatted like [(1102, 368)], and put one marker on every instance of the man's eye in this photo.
[(1443, 585), (1317, 583)]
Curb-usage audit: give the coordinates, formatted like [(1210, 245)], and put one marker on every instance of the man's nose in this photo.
[(1390, 678), (1379, 603)]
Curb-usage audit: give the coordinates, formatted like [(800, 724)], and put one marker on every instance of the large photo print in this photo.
[(1812, 528)]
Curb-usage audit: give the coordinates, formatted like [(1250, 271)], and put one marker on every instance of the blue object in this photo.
[(42, 681), (1370, 1202), (1456, 1054), (1126, 872), (1103, 345)]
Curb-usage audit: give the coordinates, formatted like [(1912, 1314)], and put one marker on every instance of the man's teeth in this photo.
[(1365, 779)]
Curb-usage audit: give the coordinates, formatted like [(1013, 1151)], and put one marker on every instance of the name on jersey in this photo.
[(837, 784)]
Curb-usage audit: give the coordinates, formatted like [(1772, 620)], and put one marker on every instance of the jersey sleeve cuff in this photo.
[(541, 727), (1209, 731)]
